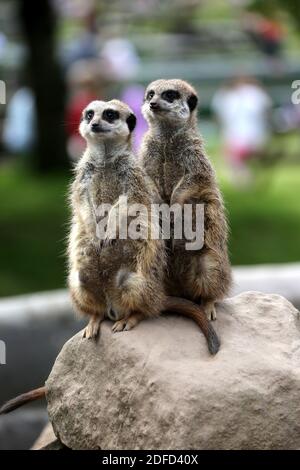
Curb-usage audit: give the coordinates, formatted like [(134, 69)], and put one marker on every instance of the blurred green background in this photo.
[(205, 42)]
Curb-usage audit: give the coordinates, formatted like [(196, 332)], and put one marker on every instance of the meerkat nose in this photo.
[(95, 127), (154, 105)]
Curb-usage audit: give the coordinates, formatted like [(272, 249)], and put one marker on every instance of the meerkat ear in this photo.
[(192, 102), (131, 122)]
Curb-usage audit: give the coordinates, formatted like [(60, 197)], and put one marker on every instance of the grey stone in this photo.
[(156, 387)]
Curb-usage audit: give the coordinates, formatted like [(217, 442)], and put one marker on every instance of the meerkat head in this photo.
[(171, 101), (111, 121)]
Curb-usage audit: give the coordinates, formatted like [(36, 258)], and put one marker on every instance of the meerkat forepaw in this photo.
[(128, 323), (92, 330), (106, 242), (110, 242), (131, 323), (119, 326)]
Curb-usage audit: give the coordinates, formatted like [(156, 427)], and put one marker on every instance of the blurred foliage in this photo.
[(265, 221), (271, 8), (33, 227)]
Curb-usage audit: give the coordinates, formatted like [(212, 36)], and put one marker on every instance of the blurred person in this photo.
[(267, 34), (85, 85), (133, 95), (75, 8), (86, 43), (19, 131), (83, 47), (242, 109), (120, 58)]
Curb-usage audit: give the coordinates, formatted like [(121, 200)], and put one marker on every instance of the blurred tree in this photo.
[(293, 8), (271, 7), (38, 22)]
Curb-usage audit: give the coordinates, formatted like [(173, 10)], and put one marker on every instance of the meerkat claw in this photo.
[(92, 330), (119, 326), (127, 324), (131, 323)]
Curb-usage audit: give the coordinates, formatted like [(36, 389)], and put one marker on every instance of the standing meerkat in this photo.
[(119, 278), (174, 158)]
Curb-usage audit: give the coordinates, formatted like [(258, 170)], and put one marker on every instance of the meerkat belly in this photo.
[(105, 190), (173, 171), (172, 174), (164, 170)]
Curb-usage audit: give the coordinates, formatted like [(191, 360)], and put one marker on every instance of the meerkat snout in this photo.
[(172, 100), (154, 105), (95, 127), (107, 120)]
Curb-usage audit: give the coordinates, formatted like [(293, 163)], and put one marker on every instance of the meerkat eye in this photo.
[(89, 115), (110, 115), (150, 95), (170, 95)]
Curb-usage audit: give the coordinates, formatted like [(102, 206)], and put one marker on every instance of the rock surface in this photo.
[(46, 438), (157, 387)]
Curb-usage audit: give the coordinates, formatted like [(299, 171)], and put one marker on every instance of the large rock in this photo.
[(157, 387)]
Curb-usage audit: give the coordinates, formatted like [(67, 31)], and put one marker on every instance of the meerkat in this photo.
[(173, 156), (120, 278), (123, 279)]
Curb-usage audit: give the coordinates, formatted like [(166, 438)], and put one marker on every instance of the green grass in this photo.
[(264, 221), (33, 225), (265, 217)]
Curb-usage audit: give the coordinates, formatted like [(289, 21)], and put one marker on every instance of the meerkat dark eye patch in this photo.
[(110, 115), (170, 95), (150, 95), (192, 102), (89, 114), (131, 122)]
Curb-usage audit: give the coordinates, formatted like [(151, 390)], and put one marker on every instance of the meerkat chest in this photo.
[(164, 167), (107, 188), (172, 169)]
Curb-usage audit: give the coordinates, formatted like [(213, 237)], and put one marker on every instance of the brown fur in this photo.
[(174, 158)]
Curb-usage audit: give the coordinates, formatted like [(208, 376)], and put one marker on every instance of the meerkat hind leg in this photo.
[(92, 330), (128, 323), (210, 309)]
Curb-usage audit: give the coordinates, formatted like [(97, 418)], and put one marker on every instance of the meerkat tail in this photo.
[(21, 400), (191, 310)]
